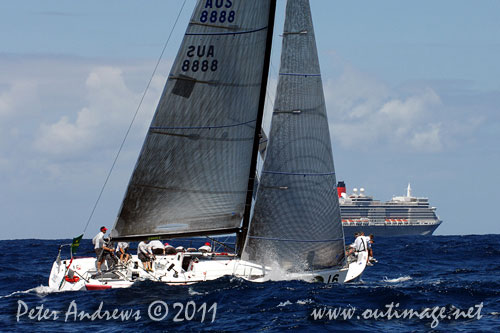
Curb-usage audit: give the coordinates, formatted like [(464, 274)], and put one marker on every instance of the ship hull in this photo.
[(391, 231)]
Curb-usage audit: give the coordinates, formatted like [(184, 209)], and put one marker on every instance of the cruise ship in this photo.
[(401, 216)]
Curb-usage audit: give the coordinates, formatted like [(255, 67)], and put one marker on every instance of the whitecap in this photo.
[(40, 290), (284, 303), (306, 301), (193, 292), (397, 280)]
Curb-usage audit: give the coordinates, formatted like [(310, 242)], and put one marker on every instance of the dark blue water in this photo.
[(450, 272)]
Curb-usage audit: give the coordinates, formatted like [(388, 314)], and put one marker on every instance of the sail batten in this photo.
[(170, 235), (298, 240), (193, 170), (224, 33), (203, 127), (296, 222), (301, 74), (298, 173)]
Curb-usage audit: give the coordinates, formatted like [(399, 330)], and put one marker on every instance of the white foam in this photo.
[(284, 303), (193, 292), (436, 282), (40, 291), (397, 280), (306, 301), (277, 273)]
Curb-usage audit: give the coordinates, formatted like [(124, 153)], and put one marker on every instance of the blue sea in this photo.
[(444, 283)]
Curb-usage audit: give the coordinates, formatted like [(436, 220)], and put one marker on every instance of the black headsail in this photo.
[(296, 220), (191, 177)]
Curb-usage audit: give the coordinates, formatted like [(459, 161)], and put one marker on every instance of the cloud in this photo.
[(19, 103), (428, 140), (62, 119), (99, 124), (20, 96), (364, 113)]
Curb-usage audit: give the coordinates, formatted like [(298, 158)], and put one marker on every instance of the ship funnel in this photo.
[(340, 188), (408, 190)]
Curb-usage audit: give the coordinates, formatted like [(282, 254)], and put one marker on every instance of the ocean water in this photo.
[(451, 283)]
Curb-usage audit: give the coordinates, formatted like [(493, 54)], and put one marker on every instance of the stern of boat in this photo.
[(357, 267), (72, 273), (56, 274)]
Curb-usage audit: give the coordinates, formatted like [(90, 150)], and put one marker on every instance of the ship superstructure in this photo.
[(403, 215)]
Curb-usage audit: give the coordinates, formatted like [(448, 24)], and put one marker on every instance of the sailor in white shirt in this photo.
[(122, 250), (99, 247), (156, 247), (144, 254), (205, 248), (360, 243)]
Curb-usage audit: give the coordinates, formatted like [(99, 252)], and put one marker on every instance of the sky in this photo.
[(412, 92)]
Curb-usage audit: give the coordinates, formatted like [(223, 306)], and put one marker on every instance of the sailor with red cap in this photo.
[(205, 248), (169, 249), (99, 247)]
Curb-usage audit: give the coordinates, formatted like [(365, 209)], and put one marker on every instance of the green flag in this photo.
[(76, 243)]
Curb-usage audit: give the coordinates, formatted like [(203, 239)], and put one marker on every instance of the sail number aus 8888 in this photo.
[(214, 15), (200, 64)]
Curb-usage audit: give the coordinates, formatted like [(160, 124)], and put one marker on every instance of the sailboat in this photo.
[(197, 169)]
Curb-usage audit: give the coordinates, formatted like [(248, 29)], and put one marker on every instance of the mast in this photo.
[(258, 129)]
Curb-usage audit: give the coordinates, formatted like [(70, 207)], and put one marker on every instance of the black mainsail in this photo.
[(192, 174), (296, 221)]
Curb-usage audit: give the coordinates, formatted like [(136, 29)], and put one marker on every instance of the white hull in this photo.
[(186, 268)]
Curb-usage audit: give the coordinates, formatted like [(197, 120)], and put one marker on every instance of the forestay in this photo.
[(296, 222), (192, 173)]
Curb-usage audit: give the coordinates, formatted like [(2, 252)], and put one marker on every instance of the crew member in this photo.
[(351, 248), (156, 247), (145, 255), (108, 253), (370, 249), (169, 249), (122, 250), (360, 242), (205, 248), (99, 247)]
